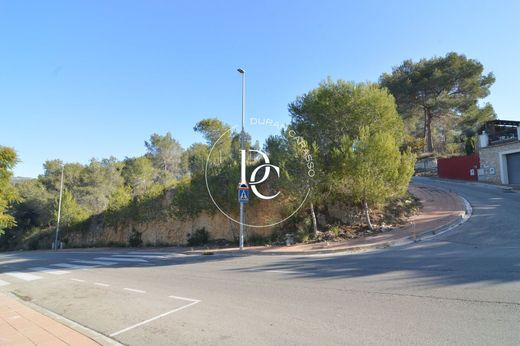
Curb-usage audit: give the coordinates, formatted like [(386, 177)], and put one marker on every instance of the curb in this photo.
[(424, 236), (452, 225), (89, 333)]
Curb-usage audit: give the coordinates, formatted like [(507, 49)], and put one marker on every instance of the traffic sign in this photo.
[(243, 193)]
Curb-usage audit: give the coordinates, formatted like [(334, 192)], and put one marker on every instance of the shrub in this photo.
[(199, 237), (258, 239), (303, 235), (335, 230), (135, 239)]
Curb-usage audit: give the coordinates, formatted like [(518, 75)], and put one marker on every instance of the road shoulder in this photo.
[(442, 210)]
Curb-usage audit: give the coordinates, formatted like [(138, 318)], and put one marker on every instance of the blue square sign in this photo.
[(243, 193)]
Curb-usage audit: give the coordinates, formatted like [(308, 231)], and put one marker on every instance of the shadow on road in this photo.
[(435, 263)]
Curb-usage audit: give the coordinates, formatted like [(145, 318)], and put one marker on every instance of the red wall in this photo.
[(458, 167)]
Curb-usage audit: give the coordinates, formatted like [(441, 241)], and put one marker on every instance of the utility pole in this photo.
[(243, 180), (59, 210)]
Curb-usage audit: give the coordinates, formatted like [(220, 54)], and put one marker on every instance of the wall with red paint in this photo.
[(459, 167)]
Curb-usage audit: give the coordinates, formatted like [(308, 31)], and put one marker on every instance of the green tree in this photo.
[(166, 154), (71, 212), (34, 209), (97, 182), (7, 191), (334, 109), (370, 169), (294, 157), (217, 135), (139, 175), (194, 158), (338, 112), (440, 87)]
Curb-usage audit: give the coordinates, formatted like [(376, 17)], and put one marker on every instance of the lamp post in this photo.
[(59, 210), (243, 163)]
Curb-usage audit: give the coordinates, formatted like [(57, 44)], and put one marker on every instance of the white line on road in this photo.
[(49, 270), (134, 290), (121, 259), (101, 284), (23, 276), (72, 266), (78, 280), (280, 271), (148, 253), (153, 319), (139, 256), (184, 298), (101, 263), (3, 283)]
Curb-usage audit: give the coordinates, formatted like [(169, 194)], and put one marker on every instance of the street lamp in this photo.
[(59, 210), (243, 164)]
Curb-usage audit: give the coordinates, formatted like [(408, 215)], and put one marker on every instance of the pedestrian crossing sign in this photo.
[(243, 193)]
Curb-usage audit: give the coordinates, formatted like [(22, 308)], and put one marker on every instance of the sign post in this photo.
[(243, 193)]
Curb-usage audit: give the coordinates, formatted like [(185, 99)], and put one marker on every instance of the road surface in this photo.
[(460, 288)]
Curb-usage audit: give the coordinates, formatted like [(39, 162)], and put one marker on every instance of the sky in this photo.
[(94, 79)]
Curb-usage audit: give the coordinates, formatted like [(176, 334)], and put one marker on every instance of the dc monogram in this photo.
[(253, 181)]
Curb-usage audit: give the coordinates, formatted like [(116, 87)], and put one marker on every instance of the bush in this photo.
[(34, 244), (303, 236), (258, 239), (199, 237), (135, 239), (335, 230)]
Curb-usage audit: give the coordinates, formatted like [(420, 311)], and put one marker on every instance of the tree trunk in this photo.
[(367, 215), (314, 223), (428, 131)]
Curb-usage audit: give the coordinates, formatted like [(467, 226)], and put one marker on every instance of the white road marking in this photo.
[(101, 284), (3, 283), (184, 298), (15, 260), (121, 259), (153, 318), (139, 256), (101, 263), (72, 266), (134, 290), (78, 280), (280, 271), (24, 276), (49, 270), (148, 253)]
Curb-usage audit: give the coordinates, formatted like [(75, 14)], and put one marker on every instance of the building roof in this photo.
[(488, 124)]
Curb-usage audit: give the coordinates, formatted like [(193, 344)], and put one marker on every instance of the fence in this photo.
[(459, 167)]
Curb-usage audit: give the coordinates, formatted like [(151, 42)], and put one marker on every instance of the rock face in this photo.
[(169, 231)]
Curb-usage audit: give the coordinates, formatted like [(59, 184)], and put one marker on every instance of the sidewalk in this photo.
[(441, 209), (20, 325)]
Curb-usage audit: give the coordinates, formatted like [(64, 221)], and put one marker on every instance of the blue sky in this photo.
[(83, 79)]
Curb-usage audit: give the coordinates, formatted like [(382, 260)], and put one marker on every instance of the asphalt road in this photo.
[(461, 288)]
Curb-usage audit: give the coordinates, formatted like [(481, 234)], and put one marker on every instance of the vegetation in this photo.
[(198, 238), (349, 148), (358, 133), (442, 95), (7, 192)]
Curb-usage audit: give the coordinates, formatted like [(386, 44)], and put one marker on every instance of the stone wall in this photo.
[(490, 158), (168, 231)]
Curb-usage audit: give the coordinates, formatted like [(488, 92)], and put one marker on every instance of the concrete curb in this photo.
[(423, 236)]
